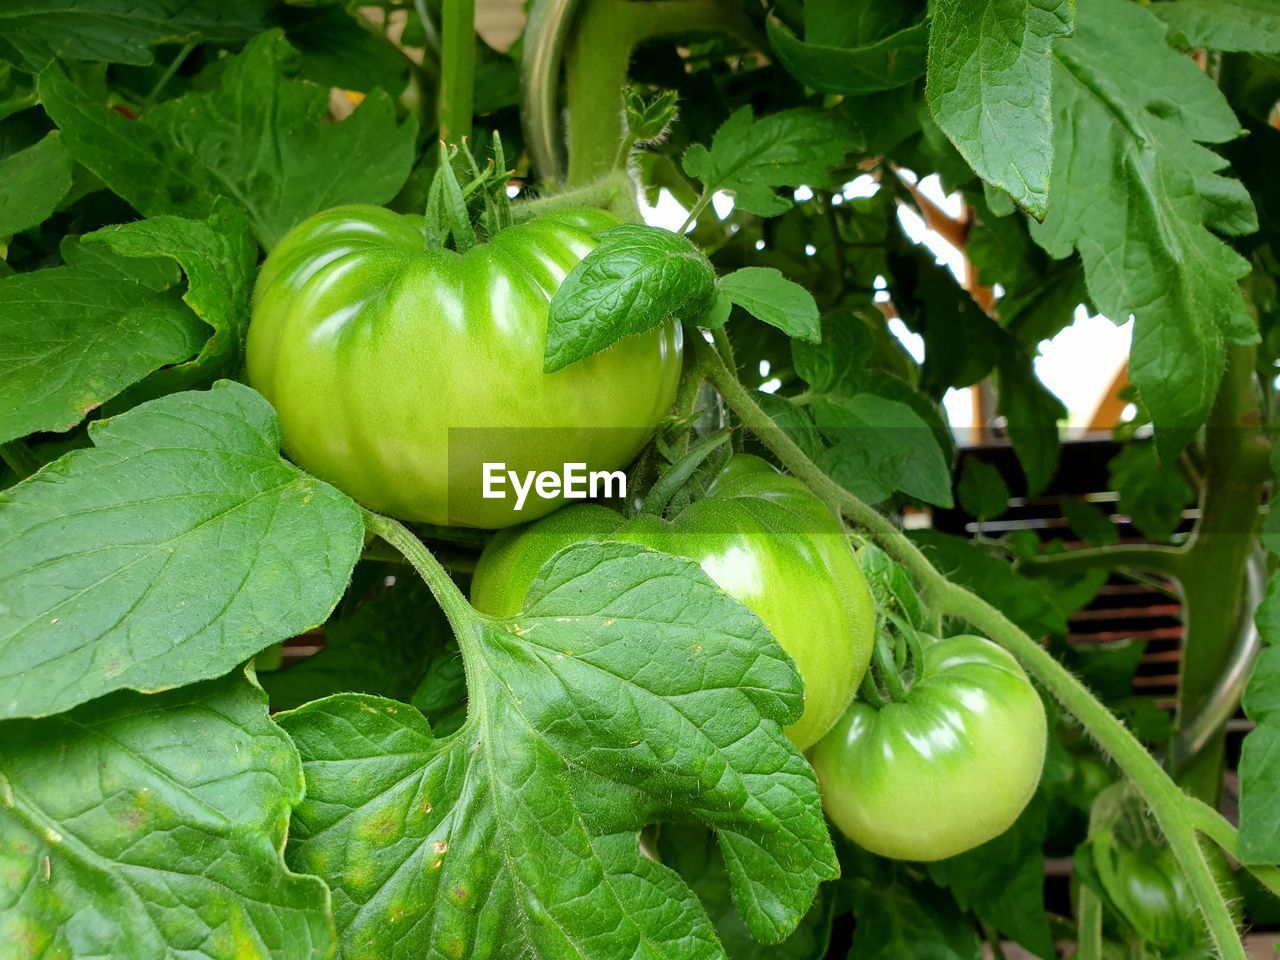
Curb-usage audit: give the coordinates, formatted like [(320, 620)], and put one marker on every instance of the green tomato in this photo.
[(944, 770), (398, 371), (764, 539), (1149, 890), (1141, 877)]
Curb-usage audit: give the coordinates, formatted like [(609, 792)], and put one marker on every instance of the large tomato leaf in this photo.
[(1224, 24), (852, 46), (33, 32), (32, 184), (151, 827), (177, 547), (1137, 193), (72, 338), (630, 690), (989, 82), (259, 137), (219, 257)]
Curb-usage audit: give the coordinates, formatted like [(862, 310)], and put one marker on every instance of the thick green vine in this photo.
[(458, 70)]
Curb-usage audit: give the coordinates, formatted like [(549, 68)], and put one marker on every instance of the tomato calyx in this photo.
[(903, 626), (897, 661), (460, 215), (686, 473)]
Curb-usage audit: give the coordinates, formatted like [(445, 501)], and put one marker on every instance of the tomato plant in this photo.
[(283, 284), (764, 539), (395, 367), (945, 768)]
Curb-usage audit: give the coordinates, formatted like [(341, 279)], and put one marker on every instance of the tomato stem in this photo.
[(887, 670), (461, 615), (457, 70), (678, 474), (615, 193), (597, 55)]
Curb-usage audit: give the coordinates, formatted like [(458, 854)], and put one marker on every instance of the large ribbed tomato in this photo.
[(399, 370), (764, 539)]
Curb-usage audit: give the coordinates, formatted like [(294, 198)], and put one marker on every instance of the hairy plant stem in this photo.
[(1146, 558), (174, 66), (461, 615), (1088, 925), (598, 54), (457, 69), (1170, 807), (615, 193)]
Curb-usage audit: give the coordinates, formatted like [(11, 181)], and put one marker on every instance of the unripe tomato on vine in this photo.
[(763, 538), (399, 370), (944, 767)]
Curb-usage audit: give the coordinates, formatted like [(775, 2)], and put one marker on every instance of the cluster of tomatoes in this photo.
[(398, 371)]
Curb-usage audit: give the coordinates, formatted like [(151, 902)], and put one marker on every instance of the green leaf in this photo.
[(1002, 881), (769, 296), (32, 184), (840, 361), (72, 338), (691, 851), (795, 422), (880, 446), (1153, 493), (155, 273), (33, 32), (717, 314), (177, 547), (1260, 753), (152, 827), (750, 158), (1089, 521), (843, 364), (982, 491), (1040, 294), (337, 51), (383, 646), (219, 257), (17, 91), (518, 835), (636, 279), (1024, 601), (135, 160), (1032, 415), (1107, 669), (900, 917), (962, 343), (867, 62), (989, 85), (258, 137), (1136, 192), (1244, 25)]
